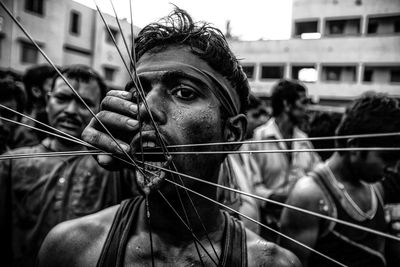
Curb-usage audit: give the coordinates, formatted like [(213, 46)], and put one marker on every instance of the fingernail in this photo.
[(132, 123), (103, 159), (124, 147), (133, 108), (125, 94)]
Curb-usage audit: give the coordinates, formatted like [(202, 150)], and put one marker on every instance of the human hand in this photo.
[(118, 114)]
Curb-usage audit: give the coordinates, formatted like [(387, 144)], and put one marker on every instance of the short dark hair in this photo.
[(324, 124), (371, 114), (285, 90), (36, 76), (10, 74), (10, 90), (205, 41), (82, 73)]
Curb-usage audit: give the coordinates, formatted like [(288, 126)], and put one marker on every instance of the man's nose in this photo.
[(72, 107), (153, 108)]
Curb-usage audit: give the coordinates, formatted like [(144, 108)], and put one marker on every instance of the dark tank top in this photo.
[(233, 244), (345, 244)]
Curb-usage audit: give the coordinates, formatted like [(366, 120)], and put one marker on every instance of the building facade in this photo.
[(339, 48), (69, 33)]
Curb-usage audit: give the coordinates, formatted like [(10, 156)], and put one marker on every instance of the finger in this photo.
[(117, 123), (120, 94), (119, 105), (104, 142)]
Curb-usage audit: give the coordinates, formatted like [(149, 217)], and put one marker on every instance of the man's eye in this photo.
[(184, 93), (61, 98)]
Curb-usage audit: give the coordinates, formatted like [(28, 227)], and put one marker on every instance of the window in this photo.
[(109, 73), (368, 72), (343, 27), (114, 33), (29, 53), (332, 73), (34, 6), (249, 70), (304, 73), (272, 72), (305, 27), (74, 26), (382, 74), (395, 75), (384, 25), (339, 74)]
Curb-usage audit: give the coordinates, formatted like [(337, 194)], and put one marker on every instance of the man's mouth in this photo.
[(152, 163), (69, 123)]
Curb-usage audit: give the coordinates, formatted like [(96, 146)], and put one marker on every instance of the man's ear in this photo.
[(36, 92), (235, 128)]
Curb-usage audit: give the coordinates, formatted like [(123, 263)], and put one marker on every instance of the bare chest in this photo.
[(139, 252)]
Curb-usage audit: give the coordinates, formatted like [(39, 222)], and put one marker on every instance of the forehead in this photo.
[(88, 88), (151, 61)]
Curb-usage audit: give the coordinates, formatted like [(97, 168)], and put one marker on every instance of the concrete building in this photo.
[(68, 32), (339, 48)]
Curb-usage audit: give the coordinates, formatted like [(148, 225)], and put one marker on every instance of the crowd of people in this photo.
[(64, 204)]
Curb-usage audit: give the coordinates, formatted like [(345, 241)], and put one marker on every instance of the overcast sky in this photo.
[(250, 19)]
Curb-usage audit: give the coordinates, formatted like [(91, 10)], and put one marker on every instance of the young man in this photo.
[(279, 171), (38, 193), (37, 81), (343, 188), (196, 93), (11, 135), (257, 115)]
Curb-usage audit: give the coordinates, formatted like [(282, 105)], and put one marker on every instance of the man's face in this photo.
[(184, 108), (65, 110), (372, 164), (255, 117), (47, 85), (297, 111), (7, 128)]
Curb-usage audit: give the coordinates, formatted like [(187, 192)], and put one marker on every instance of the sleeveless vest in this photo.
[(349, 246), (234, 248)]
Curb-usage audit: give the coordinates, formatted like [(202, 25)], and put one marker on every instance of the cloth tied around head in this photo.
[(217, 84)]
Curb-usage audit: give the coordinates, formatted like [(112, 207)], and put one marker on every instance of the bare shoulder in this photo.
[(77, 242), (263, 253), (306, 192)]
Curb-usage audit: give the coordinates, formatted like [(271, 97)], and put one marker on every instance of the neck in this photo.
[(342, 169), (285, 125), (166, 224), (58, 145)]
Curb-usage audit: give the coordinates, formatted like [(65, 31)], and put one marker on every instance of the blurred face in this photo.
[(297, 111), (184, 108), (65, 110), (47, 85), (372, 166), (7, 128), (255, 118)]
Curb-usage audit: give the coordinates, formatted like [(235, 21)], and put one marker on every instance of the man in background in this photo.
[(40, 192), (349, 186), (279, 171), (37, 81), (12, 96)]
